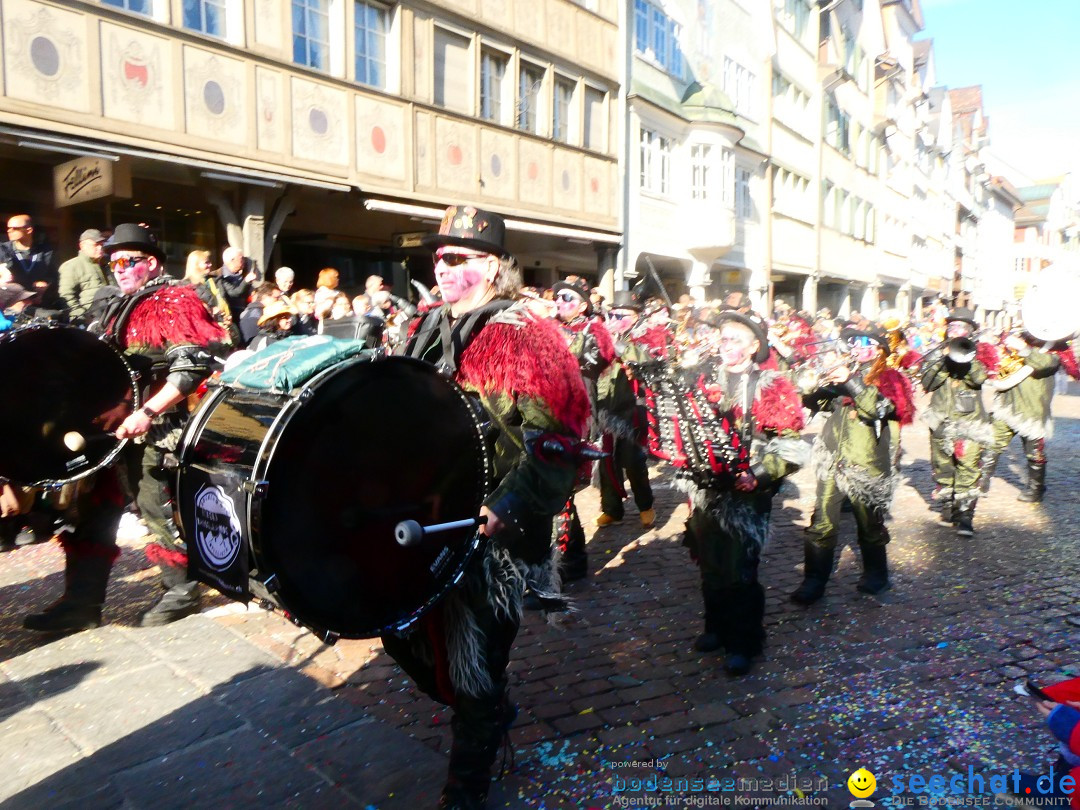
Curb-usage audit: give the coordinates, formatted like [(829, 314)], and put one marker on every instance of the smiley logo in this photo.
[(861, 783)]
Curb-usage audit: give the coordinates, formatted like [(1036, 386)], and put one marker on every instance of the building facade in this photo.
[(318, 132)]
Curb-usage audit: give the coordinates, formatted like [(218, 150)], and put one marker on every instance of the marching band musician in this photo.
[(591, 343), (960, 430), (617, 407), (856, 456), (528, 385), (163, 329), (750, 435), (1023, 388)]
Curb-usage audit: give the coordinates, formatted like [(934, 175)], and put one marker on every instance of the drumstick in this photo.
[(410, 532), (76, 442)]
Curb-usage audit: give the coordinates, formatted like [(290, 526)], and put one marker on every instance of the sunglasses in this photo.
[(456, 259), (127, 262), (568, 297), (620, 316), (861, 343)]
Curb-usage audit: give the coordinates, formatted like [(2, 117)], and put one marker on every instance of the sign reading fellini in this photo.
[(90, 178)]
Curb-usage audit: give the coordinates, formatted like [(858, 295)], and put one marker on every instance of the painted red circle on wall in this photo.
[(378, 139), (454, 154), (594, 184), (534, 171)]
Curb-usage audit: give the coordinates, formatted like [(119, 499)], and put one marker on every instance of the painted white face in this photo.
[(958, 329), (132, 270), (621, 321), (569, 305), (461, 273), (738, 345)]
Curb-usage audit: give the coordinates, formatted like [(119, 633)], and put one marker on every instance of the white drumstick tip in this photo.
[(74, 441)]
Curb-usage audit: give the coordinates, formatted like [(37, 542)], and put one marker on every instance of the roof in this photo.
[(966, 99), (921, 49), (1040, 192)]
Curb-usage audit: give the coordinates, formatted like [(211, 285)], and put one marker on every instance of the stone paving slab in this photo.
[(915, 681)]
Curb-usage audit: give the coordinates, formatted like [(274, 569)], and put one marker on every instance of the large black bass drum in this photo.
[(293, 497), (66, 392)]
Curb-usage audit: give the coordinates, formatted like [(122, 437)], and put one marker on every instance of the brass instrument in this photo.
[(812, 374), (892, 322)]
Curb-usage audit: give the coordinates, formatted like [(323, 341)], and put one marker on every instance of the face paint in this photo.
[(569, 305), (459, 279), (737, 347), (131, 272)]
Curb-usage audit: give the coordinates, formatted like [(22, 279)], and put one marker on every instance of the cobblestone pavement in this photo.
[(916, 681)]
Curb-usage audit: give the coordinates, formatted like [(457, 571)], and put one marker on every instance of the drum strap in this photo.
[(113, 322), (451, 338)]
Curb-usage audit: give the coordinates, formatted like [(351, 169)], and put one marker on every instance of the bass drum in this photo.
[(60, 381), (293, 497)]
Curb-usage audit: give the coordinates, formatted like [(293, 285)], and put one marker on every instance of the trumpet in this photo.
[(812, 374)]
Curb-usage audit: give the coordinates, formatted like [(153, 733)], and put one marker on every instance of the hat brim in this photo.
[(734, 316), (152, 250), (436, 240), (969, 321)]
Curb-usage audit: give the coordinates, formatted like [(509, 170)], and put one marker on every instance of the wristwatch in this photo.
[(148, 412)]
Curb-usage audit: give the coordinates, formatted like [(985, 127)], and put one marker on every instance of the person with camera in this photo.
[(960, 429), (855, 456)]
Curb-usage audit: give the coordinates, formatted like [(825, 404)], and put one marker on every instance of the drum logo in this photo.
[(217, 528)]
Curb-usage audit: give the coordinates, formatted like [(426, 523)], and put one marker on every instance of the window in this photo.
[(655, 157), (727, 176), (138, 6), (495, 99), (530, 84), (595, 131), (656, 37), (207, 16), (744, 207), (371, 25), (794, 17), (452, 72), (562, 109), (740, 85), (699, 170), (829, 209), (837, 128), (311, 33)]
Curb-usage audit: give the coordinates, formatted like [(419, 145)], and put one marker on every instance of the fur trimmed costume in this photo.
[(960, 429), (698, 421), (1021, 406), (531, 395), (856, 456)]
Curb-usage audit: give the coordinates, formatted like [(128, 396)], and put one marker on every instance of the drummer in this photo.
[(164, 331), (517, 368)]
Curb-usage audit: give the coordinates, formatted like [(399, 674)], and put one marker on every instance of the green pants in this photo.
[(869, 520), (1034, 449), (959, 473)]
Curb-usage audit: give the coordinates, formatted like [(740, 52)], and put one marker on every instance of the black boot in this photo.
[(478, 725), (176, 603), (86, 577), (875, 577), (1036, 484), (986, 471), (816, 572), (710, 640), (744, 633), (965, 518)]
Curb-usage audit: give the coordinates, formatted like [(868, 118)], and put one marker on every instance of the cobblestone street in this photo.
[(917, 681)]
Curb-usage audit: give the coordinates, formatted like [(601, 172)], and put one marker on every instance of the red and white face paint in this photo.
[(132, 270), (569, 305), (738, 345), (459, 272)]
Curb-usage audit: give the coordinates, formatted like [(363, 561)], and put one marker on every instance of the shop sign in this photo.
[(90, 178)]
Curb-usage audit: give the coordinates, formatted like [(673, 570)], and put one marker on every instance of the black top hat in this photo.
[(579, 286), (876, 334), (131, 236), (472, 228), (962, 314), (751, 322), (627, 299)]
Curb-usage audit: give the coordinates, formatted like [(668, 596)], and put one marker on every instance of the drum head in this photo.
[(60, 380), (374, 443)]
